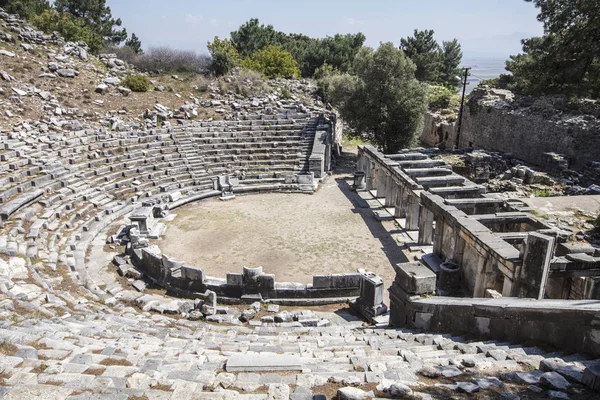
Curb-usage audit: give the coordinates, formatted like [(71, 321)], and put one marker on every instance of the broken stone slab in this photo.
[(102, 88), (263, 363), (19, 92), (67, 73), (467, 387), (139, 285), (352, 393), (554, 380)]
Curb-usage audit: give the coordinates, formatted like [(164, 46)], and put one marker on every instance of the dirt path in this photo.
[(291, 235)]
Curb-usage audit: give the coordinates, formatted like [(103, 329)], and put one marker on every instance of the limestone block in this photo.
[(345, 280), (415, 278), (321, 281), (267, 281), (236, 280)]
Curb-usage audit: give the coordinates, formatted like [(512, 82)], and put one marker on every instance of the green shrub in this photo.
[(224, 56), (137, 83), (71, 28), (286, 93), (440, 97), (273, 62)]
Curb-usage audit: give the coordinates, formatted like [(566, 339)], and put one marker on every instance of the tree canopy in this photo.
[(135, 44), (435, 64), (224, 55), (566, 59), (25, 8), (310, 53), (97, 15), (273, 62), (382, 102)]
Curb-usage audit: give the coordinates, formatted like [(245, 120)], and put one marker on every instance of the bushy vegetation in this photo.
[(309, 53), (25, 8), (137, 83), (224, 56), (273, 62), (166, 59), (69, 27), (436, 64), (566, 59), (96, 15), (89, 21), (382, 102), (440, 98)]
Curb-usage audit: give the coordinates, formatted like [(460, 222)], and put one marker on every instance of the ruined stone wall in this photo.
[(565, 324), (189, 281), (496, 120), (437, 132), (528, 136)]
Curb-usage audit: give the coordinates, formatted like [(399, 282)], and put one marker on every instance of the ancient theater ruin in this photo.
[(235, 247)]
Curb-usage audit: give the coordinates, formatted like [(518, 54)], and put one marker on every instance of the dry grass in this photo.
[(54, 383), (94, 371), (3, 377), (8, 349), (39, 369), (116, 361), (162, 387)]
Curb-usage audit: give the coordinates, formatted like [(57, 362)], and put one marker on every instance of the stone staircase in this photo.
[(97, 352), (308, 138)]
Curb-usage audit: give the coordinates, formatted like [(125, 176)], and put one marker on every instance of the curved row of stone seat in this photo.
[(100, 352), (60, 206)]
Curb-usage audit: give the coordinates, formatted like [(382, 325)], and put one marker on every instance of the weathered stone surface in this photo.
[(352, 393), (263, 362), (554, 380)]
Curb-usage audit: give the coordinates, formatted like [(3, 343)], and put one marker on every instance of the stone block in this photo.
[(306, 179), (236, 280), (267, 281), (591, 377), (321, 281), (192, 273), (415, 278), (345, 280), (263, 363)]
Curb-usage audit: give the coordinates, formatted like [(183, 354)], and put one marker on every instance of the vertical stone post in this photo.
[(389, 191), (369, 174), (381, 182), (425, 226), (401, 202), (412, 212), (536, 265)]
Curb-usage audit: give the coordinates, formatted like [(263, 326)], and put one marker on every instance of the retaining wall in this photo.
[(573, 326), (189, 281)]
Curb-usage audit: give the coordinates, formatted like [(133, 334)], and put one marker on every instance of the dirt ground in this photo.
[(293, 236)]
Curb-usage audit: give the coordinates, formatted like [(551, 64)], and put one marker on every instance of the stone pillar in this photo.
[(374, 171), (412, 213), (390, 189), (401, 202), (536, 266), (507, 287), (370, 303), (381, 182), (425, 226), (369, 174), (438, 236), (412, 279)]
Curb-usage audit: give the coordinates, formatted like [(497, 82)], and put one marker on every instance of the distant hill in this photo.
[(483, 68)]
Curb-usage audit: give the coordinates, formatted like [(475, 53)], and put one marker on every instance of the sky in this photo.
[(485, 28)]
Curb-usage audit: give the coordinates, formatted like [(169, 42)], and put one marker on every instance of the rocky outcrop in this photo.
[(527, 127)]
